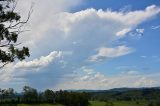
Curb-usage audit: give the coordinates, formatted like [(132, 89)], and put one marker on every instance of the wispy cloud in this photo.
[(104, 53), (155, 27), (140, 31), (143, 56)]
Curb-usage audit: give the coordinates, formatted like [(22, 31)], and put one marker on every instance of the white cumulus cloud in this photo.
[(19, 69), (99, 81), (55, 28), (38, 63)]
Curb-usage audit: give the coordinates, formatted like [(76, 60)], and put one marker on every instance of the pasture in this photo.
[(96, 103), (117, 103)]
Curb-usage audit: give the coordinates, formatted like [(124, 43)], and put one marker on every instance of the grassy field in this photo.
[(123, 103), (96, 103)]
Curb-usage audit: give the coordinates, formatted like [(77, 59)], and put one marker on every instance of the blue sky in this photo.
[(116, 5), (146, 47), (88, 44)]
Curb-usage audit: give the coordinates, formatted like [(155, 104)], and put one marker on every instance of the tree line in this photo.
[(30, 95)]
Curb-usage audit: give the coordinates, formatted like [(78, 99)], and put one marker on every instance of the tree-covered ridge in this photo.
[(128, 94)]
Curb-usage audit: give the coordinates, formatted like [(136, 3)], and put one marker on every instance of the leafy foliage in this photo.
[(10, 28)]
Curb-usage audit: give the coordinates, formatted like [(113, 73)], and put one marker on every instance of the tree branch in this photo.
[(4, 65), (7, 45)]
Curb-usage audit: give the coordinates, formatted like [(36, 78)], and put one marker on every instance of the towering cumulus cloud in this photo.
[(84, 38)]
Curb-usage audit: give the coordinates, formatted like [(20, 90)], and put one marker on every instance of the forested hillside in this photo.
[(149, 94)]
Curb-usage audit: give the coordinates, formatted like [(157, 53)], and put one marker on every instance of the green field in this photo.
[(96, 103), (123, 103)]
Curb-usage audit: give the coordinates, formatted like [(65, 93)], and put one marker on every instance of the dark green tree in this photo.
[(30, 95), (49, 96), (10, 27)]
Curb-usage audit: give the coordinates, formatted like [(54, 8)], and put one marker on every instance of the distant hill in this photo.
[(126, 94), (114, 89)]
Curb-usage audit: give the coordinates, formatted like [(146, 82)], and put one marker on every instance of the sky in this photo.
[(88, 44)]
